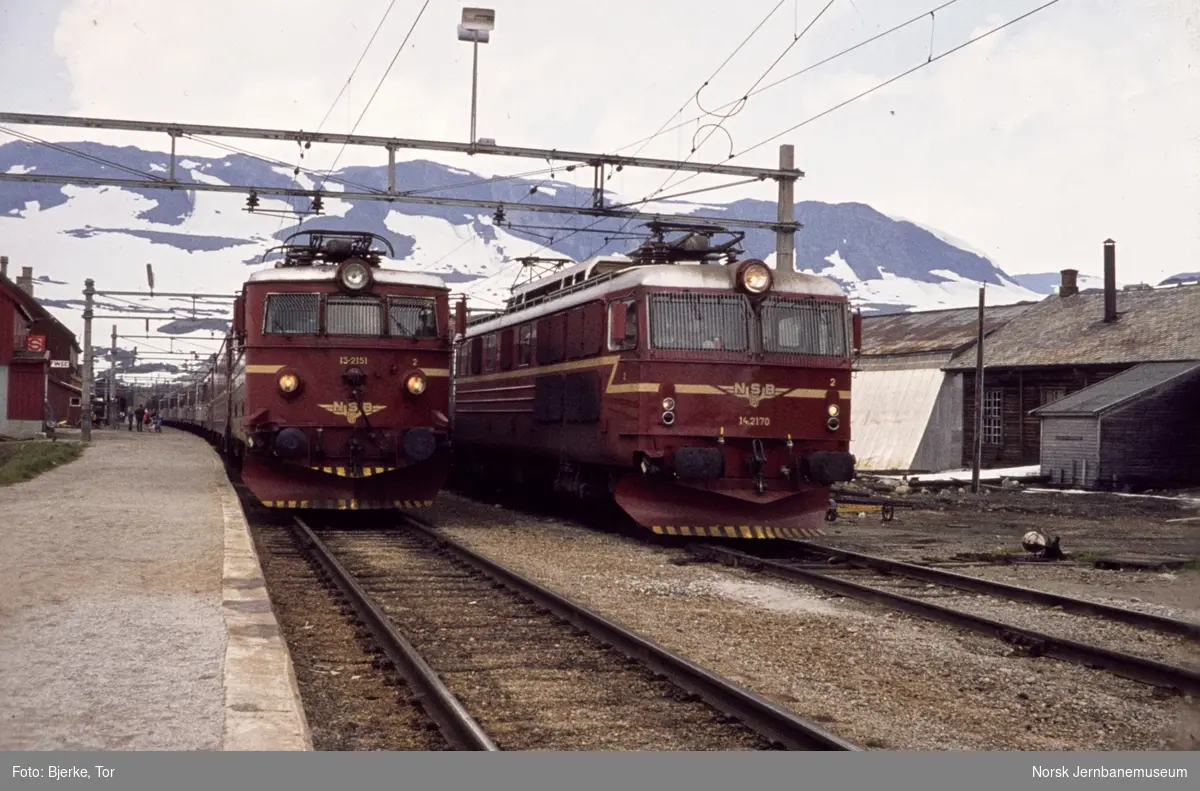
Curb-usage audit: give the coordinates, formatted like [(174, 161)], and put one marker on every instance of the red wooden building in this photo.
[(39, 361)]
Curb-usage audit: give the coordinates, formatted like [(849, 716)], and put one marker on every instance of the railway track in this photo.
[(969, 584), (498, 662), (1031, 641)]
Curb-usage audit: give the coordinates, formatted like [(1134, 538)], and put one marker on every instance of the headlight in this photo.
[(289, 383), (756, 278), (834, 411), (668, 404), (415, 384), (356, 276)]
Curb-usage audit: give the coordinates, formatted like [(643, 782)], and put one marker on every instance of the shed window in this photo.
[(292, 314), (353, 316), (1052, 394), (412, 317), (993, 417)]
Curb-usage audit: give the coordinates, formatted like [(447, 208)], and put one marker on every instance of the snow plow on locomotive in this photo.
[(332, 390), (705, 396)]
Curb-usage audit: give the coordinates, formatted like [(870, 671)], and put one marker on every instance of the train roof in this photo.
[(318, 274), (614, 272)]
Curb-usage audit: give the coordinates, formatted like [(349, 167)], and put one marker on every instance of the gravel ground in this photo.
[(111, 631), (530, 680), (349, 705), (1082, 628), (879, 678), (1174, 594)]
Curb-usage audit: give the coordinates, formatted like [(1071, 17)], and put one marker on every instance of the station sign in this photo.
[(35, 343), (60, 363), (479, 19)]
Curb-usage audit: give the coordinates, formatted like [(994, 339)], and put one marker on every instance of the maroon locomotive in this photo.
[(332, 391), (707, 397)]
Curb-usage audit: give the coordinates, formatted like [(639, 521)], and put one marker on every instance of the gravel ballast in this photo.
[(873, 676), (111, 630)]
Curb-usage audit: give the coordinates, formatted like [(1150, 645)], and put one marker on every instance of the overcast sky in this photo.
[(1034, 145)]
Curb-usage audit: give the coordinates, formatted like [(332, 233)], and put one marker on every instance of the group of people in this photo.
[(144, 418)]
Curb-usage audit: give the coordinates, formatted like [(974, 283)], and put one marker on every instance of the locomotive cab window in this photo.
[(412, 317), (353, 316), (804, 326), (700, 322), (292, 314), (623, 333)]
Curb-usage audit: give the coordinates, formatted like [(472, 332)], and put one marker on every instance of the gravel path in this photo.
[(111, 630), (530, 680), (879, 678)]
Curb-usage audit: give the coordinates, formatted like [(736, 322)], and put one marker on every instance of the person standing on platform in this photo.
[(140, 414), (132, 417)]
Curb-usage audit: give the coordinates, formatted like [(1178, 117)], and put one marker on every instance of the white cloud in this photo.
[(1035, 144)]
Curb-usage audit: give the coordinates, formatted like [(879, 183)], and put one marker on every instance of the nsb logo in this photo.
[(754, 392)]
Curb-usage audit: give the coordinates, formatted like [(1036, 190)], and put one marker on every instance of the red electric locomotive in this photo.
[(707, 397), (333, 389)]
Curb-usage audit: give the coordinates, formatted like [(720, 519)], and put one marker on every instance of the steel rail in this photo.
[(1020, 593), (779, 724), (452, 718), (1137, 668)]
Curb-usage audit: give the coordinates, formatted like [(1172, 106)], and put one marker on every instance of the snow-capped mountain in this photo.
[(207, 242)]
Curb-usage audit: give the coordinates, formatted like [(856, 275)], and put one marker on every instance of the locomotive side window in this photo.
[(292, 314), (804, 326), (353, 316), (524, 344), (489, 353), (412, 317), (696, 322)]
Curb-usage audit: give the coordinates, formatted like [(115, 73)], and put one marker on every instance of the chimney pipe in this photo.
[(3, 266), (1110, 280), (25, 281), (1069, 287)]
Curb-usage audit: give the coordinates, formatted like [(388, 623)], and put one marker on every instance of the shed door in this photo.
[(1071, 451)]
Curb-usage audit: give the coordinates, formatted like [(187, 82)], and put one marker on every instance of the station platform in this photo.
[(134, 614)]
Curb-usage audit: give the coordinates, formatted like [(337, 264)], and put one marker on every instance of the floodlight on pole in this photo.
[(476, 27)]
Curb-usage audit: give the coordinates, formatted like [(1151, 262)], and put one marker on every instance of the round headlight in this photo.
[(415, 384), (834, 411), (668, 404), (289, 383), (356, 276), (756, 278)]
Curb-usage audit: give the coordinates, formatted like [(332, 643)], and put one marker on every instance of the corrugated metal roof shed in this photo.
[(1155, 325), (1119, 390), (890, 415), (933, 330)]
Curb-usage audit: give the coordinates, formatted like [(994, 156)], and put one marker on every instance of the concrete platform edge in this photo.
[(263, 709)]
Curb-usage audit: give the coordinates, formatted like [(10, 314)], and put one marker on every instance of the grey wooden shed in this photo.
[(1138, 429)]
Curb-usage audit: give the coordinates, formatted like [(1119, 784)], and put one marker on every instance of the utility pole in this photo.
[(110, 405), (89, 292), (785, 240), (977, 456)]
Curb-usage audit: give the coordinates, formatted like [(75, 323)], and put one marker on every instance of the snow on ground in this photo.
[(19, 169), (1031, 471)]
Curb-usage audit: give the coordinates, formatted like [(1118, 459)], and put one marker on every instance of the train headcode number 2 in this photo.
[(753, 420), (352, 361)]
